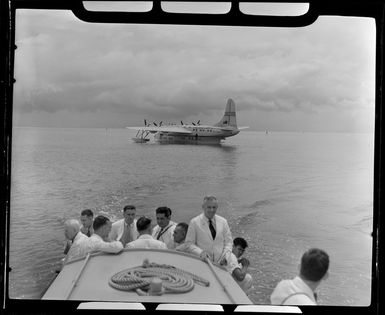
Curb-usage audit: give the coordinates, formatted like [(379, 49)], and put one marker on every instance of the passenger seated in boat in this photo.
[(145, 240), (237, 265), (99, 240), (87, 219), (179, 236), (208, 234), (165, 228), (124, 230), (301, 290), (77, 238)]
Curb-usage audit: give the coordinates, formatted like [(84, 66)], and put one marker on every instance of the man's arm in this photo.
[(109, 247), (190, 240), (228, 240), (240, 273)]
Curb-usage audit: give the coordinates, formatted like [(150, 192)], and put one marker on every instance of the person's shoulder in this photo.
[(82, 236), (160, 244), (299, 299), (196, 219), (219, 218)]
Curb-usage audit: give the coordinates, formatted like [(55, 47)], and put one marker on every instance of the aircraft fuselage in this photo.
[(199, 134)]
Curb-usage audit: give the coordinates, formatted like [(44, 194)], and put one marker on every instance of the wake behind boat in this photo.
[(194, 133), (100, 276)]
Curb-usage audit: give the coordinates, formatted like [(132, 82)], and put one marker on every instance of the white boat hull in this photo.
[(87, 280)]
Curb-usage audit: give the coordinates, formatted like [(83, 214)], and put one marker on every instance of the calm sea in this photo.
[(282, 192)]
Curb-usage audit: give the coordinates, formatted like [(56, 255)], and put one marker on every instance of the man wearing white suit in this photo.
[(208, 234), (125, 230)]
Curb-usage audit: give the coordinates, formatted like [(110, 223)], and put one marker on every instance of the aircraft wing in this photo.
[(155, 129), (241, 128)]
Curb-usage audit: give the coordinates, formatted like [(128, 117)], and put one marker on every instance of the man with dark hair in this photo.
[(145, 240), (178, 237), (208, 234), (165, 228), (99, 240), (124, 230), (87, 218), (301, 290), (237, 265)]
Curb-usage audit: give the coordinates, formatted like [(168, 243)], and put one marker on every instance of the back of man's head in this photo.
[(314, 264), (143, 224), (71, 228), (99, 222)]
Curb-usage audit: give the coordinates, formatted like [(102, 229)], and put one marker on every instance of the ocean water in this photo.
[(283, 192)]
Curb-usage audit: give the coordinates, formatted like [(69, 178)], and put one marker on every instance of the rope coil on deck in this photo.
[(174, 280)]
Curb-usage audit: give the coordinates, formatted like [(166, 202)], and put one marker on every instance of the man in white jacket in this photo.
[(124, 230), (208, 234), (301, 290)]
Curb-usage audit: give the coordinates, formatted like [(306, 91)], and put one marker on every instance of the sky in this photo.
[(69, 73)]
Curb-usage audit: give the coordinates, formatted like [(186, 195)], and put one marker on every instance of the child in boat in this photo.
[(237, 266)]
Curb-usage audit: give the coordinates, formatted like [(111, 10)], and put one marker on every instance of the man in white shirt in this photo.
[(208, 234), (301, 290), (238, 266), (77, 238), (145, 240), (179, 236), (99, 240), (124, 230), (164, 230)]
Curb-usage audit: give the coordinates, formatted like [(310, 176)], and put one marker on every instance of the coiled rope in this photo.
[(174, 280)]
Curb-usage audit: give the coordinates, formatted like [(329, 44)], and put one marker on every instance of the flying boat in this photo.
[(191, 133)]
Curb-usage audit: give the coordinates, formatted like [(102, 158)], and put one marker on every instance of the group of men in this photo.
[(207, 235)]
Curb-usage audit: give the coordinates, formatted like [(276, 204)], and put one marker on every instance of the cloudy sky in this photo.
[(75, 74)]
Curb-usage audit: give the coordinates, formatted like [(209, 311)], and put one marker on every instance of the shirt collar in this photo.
[(207, 219), (130, 225)]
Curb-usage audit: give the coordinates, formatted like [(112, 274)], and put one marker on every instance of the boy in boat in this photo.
[(208, 234), (237, 265), (145, 240), (124, 230), (164, 230), (87, 218), (301, 290)]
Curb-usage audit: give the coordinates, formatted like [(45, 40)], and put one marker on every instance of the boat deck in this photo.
[(87, 280)]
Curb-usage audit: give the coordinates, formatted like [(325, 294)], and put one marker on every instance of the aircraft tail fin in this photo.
[(228, 119)]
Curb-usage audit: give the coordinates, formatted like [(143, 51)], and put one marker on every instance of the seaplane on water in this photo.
[(194, 133)]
